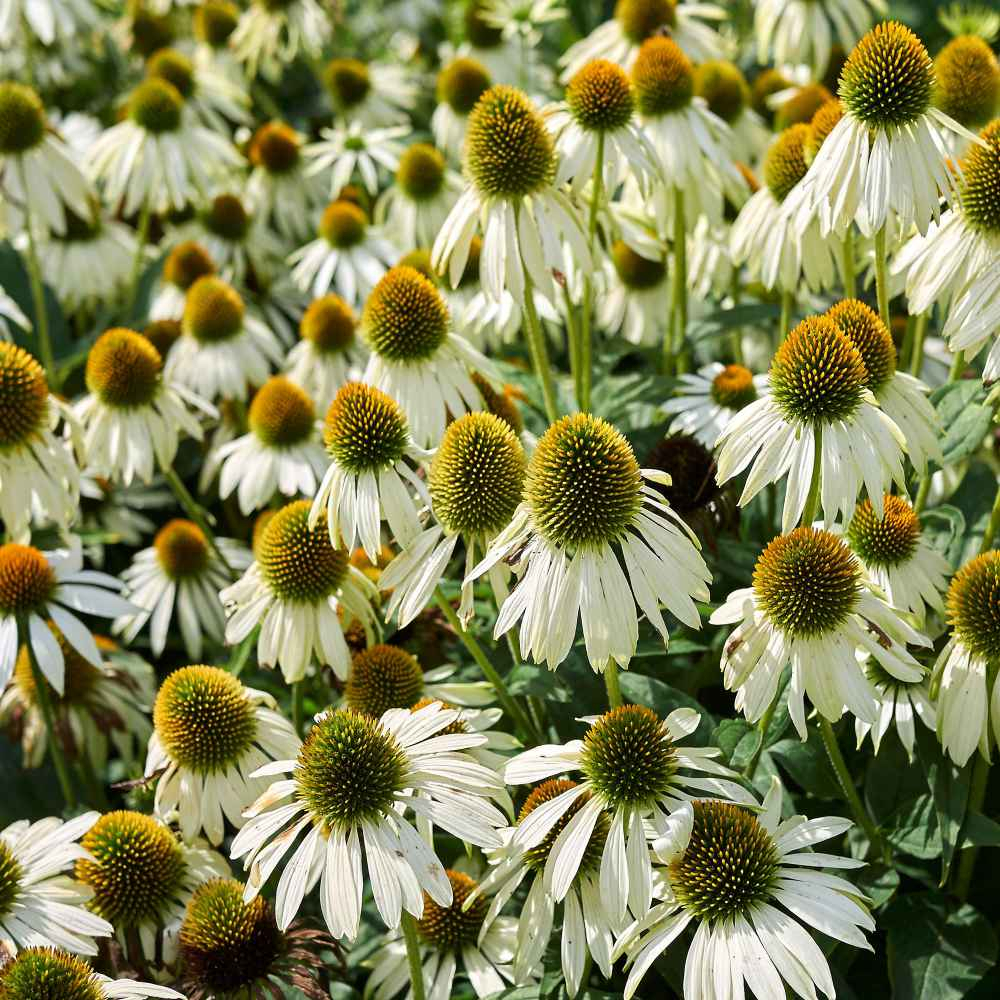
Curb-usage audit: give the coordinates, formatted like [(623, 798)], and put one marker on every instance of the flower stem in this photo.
[(762, 727), (847, 262), (787, 305), (48, 716), (882, 278), (142, 234), (573, 342), (46, 355), (409, 926), (846, 783), (506, 699), (679, 302), (957, 367), (597, 184), (811, 508), (611, 682), (195, 512), (919, 335), (298, 705), (539, 352), (977, 796), (992, 525)]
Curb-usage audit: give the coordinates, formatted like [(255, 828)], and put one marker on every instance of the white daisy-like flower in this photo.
[(154, 158), (459, 85), (415, 208), (635, 21), (355, 149), (183, 266), (180, 573), (210, 734), (48, 21), (902, 396), (295, 590), (818, 410), (37, 168), (812, 605), (966, 240), (636, 299), (212, 96), (141, 876), (968, 712), (353, 780), (328, 354), (269, 36), (749, 881), (283, 193), (11, 316), (887, 159), (899, 702), (41, 904), (222, 348), (722, 85), (530, 227), (35, 971), (973, 318), (415, 358), (111, 514), (133, 416), (213, 23), (377, 94), (476, 481), (586, 506), (793, 32), (451, 939), (39, 480), (38, 587), (522, 19), (634, 776), (596, 121), (281, 453), (708, 399), (348, 255), (373, 472)]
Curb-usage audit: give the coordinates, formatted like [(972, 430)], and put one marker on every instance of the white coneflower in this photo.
[(968, 712), (271, 33), (817, 411), (415, 358), (210, 733), (749, 882), (281, 453), (506, 59), (864, 170), (811, 605), (634, 776), (708, 399), (415, 208), (522, 19), (586, 505), (637, 300), (899, 702), (294, 590), (158, 155), (451, 938), (373, 472), (112, 514), (635, 21), (132, 416), (596, 120), (284, 194), (352, 782), (24, 23), (38, 170), (184, 265), (966, 240), (459, 85), (476, 481), (141, 877), (38, 587), (967, 78), (179, 574), (213, 97), (530, 227), (37, 971), (902, 396), (973, 318), (348, 255), (212, 24), (39, 479), (328, 353), (723, 87), (39, 903), (354, 149), (222, 348), (792, 32), (377, 94)]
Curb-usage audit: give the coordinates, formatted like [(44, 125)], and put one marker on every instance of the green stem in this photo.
[(48, 716), (919, 336), (611, 682), (585, 359), (957, 367), (194, 511), (846, 783), (142, 235), (977, 796), (46, 354), (298, 705), (679, 300), (539, 352), (847, 264), (811, 508), (506, 699), (735, 338), (787, 305), (573, 342), (994, 523), (762, 726), (409, 927), (95, 791), (882, 278)]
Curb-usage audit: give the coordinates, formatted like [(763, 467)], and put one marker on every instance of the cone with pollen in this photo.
[(723, 87), (785, 165), (599, 96), (420, 173), (24, 396), (156, 106), (867, 333), (452, 928), (663, 78), (343, 224), (186, 263), (275, 147), (182, 549), (405, 319), (974, 605), (213, 311), (281, 414), (48, 974), (635, 271), (123, 369), (26, 580), (461, 83), (967, 78), (981, 190), (330, 324), (227, 217), (641, 19), (174, 67), (381, 678), (537, 857), (347, 81), (22, 118), (364, 429)]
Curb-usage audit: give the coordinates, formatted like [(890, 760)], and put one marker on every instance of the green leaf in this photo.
[(965, 417), (807, 764), (724, 321), (944, 528), (913, 828), (530, 679), (980, 831), (938, 949), (950, 789), (663, 699), (879, 883)]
